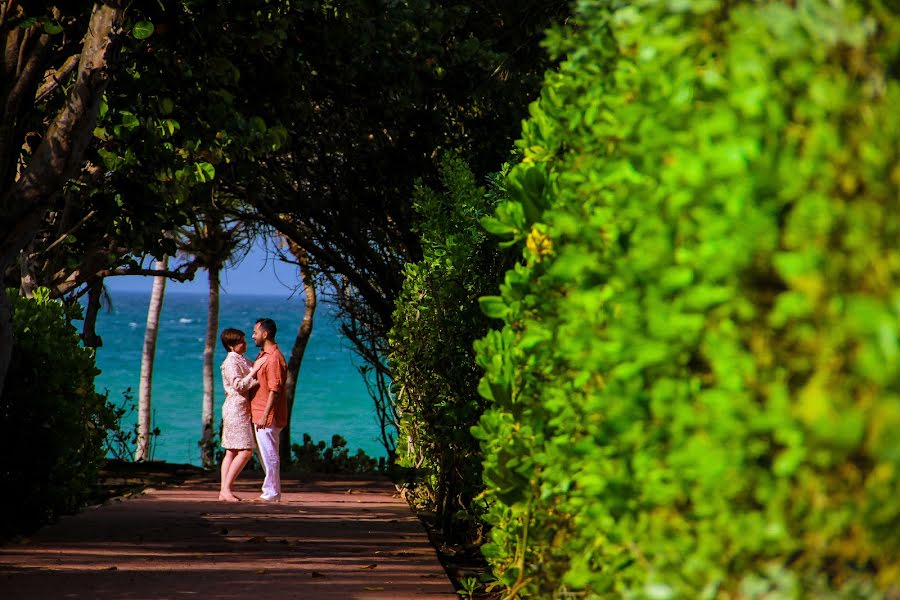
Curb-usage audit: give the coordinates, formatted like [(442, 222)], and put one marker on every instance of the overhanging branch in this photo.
[(186, 275)]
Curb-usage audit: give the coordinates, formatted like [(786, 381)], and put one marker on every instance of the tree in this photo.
[(29, 187), (212, 241), (379, 90), (142, 452), (147, 154), (301, 340)]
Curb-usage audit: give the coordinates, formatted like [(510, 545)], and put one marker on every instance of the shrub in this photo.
[(318, 458), (432, 361), (122, 438), (52, 422), (696, 390)]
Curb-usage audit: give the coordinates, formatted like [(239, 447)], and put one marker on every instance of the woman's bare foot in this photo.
[(228, 497)]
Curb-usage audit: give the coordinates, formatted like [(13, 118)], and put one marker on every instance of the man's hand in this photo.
[(270, 407)]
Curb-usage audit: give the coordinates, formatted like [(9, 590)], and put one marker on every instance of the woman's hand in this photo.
[(258, 364)]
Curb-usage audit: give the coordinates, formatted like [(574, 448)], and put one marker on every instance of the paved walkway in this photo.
[(326, 539)]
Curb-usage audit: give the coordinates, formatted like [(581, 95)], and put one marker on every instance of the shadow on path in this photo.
[(350, 538)]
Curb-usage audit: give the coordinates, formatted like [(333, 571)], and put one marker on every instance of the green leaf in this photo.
[(493, 306), (52, 27), (497, 227), (170, 126), (204, 172), (257, 124), (129, 121), (142, 30)]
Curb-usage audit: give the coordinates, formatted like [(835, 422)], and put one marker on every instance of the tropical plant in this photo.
[(52, 422), (212, 241), (311, 457), (436, 320), (122, 438), (696, 390)]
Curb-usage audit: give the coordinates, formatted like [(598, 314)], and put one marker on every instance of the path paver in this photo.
[(352, 538)]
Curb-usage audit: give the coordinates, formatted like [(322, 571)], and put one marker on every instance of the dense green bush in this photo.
[(696, 392), (436, 321), (52, 422)]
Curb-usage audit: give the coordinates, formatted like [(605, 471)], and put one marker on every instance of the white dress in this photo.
[(237, 424)]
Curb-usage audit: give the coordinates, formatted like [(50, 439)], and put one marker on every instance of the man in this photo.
[(268, 407)]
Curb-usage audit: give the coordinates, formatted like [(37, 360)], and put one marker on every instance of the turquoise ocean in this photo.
[(331, 396)]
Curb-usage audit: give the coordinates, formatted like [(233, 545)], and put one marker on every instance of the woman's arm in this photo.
[(231, 376)]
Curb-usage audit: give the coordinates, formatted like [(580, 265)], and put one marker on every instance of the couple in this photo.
[(255, 408)]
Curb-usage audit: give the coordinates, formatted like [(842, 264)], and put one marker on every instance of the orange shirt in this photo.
[(271, 377)]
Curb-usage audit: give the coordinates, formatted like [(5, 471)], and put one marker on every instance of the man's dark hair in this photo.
[(268, 325), (231, 338)]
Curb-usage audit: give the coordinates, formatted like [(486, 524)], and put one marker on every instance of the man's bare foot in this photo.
[(228, 497)]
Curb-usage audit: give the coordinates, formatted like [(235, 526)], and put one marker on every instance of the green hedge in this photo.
[(436, 321), (52, 422), (696, 392)]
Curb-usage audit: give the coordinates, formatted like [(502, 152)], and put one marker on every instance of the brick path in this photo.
[(352, 538)]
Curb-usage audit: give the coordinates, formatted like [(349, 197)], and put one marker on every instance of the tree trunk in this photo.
[(60, 153), (6, 334), (208, 451), (142, 452), (89, 336), (300, 342), (28, 280)]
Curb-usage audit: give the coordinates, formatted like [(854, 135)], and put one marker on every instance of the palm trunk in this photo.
[(212, 327), (299, 348), (142, 452)]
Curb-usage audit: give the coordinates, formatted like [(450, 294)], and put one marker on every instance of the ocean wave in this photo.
[(185, 320)]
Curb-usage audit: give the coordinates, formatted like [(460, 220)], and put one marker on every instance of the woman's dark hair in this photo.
[(231, 338), (267, 325)]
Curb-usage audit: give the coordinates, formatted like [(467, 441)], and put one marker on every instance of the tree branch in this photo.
[(63, 237), (23, 72), (5, 10), (178, 275), (60, 152), (302, 235), (53, 78)]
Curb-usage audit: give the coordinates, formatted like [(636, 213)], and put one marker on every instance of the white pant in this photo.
[(267, 441)]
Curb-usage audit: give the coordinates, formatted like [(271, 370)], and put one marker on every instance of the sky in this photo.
[(256, 274)]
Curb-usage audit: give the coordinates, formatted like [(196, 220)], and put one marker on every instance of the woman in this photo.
[(237, 428)]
